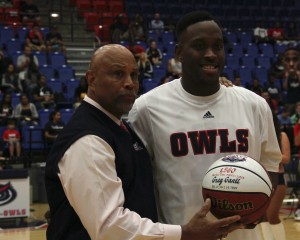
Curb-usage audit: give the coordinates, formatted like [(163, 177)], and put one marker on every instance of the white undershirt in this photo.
[(89, 179)]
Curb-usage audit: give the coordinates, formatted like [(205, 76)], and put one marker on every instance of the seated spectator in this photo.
[(28, 66), (236, 80), (136, 50), (25, 112), (276, 33), (256, 87), (136, 32), (10, 81), (53, 127), (80, 92), (29, 12), (272, 102), (6, 109), (145, 70), (4, 61), (43, 94), (156, 24), (54, 41), (284, 117), (174, 69), (273, 89), (119, 30), (296, 115), (154, 54), (35, 39), (12, 137), (261, 34)]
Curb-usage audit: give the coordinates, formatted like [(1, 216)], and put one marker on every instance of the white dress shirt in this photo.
[(89, 178)]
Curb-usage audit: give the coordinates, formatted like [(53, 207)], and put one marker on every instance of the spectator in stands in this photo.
[(153, 53), (145, 70), (291, 76), (28, 65), (6, 109), (29, 12), (12, 137), (119, 29), (35, 39), (4, 61), (10, 80), (284, 117), (276, 33), (261, 34), (256, 87), (273, 89), (272, 102), (174, 68), (25, 112), (136, 50), (237, 80), (156, 24), (136, 32), (53, 127), (43, 95), (54, 41), (296, 116), (80, 92)]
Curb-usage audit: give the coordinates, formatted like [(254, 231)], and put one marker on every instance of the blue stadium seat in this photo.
[(57, 59), (252, 50), (264, 61), (229, 73), (231, 36), (71, 85), (170, 47), (167, 37), (47, 70), (43, 116), (279, 48), (261, 74), (248, 61), (42, 57), (66, 114), (149, 84), (65, 72), (158, 73), (6, 33), (245, 38), (14, 56), (15, 99), (13, 45), (232, 61), (55, 85), (152, 35), (22, 33), (266, 49), (237, 50), (245, 75), (33, 138)]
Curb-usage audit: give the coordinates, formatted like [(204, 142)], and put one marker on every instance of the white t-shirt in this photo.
[(169, 121)]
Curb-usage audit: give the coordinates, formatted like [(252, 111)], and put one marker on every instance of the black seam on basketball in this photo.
[(241, 168), (234, 192)]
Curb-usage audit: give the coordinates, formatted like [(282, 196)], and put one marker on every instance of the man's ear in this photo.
[(90, 77)]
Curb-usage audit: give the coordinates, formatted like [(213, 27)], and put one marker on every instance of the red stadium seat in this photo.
[(91, 19), (82, 7), (100, 6)]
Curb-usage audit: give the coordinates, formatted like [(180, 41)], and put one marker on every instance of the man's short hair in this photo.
[(192, 18)]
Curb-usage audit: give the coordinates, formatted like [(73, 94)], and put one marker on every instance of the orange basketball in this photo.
[(237, 185)]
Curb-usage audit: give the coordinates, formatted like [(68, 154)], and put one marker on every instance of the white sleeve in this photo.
[(140, 121), (270, 150), (89, 179)]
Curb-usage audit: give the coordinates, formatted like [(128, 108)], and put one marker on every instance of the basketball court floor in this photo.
[(292, 227)]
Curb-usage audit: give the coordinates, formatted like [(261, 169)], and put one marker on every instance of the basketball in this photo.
[(237, 185)]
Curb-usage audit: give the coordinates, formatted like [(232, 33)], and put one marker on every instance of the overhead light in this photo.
[(54, 15)]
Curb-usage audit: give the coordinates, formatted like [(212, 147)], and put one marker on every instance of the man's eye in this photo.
[(219, 46), (199, 46), (119, 74)]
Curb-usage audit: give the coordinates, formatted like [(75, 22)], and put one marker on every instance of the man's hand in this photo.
[(200, 227), (224, 81)]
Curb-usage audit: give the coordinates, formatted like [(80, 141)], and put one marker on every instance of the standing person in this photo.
[(190, 122), (273, 228), (98, 175)]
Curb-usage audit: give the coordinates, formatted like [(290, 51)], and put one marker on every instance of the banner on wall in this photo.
[(14, 193)]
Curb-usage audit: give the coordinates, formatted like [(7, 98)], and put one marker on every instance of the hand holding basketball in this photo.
[(200, 227)]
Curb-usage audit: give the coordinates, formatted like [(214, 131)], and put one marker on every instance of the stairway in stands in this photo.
[(80, 44)]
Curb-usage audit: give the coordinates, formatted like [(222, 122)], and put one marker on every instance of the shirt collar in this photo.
[(97, 105)]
